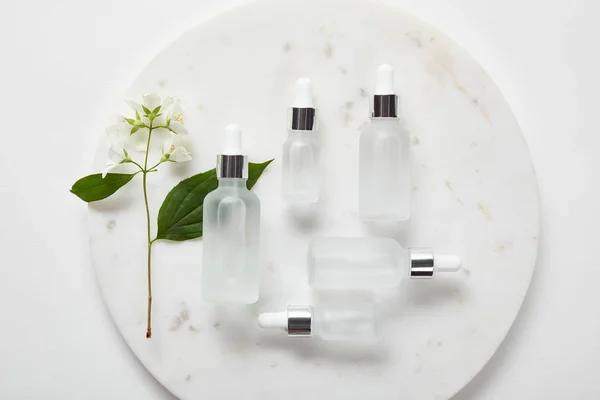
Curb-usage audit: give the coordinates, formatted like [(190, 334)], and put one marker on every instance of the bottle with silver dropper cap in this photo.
[(231, 227), (349, 323), (371, 263), (384, 166), (300, 151)]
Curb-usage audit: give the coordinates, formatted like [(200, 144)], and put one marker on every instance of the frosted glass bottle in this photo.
[(371, 263), (384, 165), (352, 323), (231, 229), (300, 172)]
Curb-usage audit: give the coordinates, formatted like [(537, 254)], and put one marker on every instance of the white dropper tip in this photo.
[(304, 97), (276, 320), (447, 263), (385, 80), (233, 140)]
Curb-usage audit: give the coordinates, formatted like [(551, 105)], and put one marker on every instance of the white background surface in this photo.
[(63, 63)]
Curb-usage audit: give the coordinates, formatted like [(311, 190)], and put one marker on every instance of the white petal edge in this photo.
[(135, 106), (167, 102), (119, 133), (116, 154), (160, 120), (166, 147), (178, 128), (180, 155), (175, 107), (151, 101), (109, 167), (139, 139)]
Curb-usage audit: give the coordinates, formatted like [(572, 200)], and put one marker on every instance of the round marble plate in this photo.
[(474, 194)]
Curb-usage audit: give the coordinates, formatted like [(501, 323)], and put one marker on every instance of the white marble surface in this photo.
[(475, 194)]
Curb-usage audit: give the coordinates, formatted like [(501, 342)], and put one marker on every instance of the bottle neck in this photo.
[(233, 183), (301, 134), (403, 262), (384, 120)]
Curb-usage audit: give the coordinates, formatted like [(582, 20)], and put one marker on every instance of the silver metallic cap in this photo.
[(421, 262), (384, 106), (299, 320), (302, 118), (232, 166)]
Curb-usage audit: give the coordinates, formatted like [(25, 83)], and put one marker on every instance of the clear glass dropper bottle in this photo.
[(355, 323), (371, 263), (231, 227), (300, 151), (384, 165)]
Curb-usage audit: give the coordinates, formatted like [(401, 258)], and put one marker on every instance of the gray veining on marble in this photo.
[(474, 193)]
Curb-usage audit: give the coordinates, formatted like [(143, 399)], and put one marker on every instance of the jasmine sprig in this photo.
[(180, 215), (135, 134)]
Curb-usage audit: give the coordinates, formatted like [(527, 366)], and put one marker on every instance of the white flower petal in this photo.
[(175, 107), (167, 146), (178, 128), (118, 138), (159, 136), (160, 120), (140, 147), (118, 132), (116, 154), (183, 140), (135, 106), (180, 154), (151, 101), (109, 167), (167, 103), (139, 140), (175, 112)]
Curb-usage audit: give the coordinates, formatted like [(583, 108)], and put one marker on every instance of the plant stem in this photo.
[(145, 173), (138, 165), (157, 164)]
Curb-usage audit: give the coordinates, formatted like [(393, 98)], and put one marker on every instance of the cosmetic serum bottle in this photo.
[(231, 227), (371, 263), (300, 151), (356, 323), (384, 166)]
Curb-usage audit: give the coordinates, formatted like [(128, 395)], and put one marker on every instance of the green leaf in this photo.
[(134, 129), (255, 171), (180, 216), (131, 121), (94, 187), (146, 110)]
